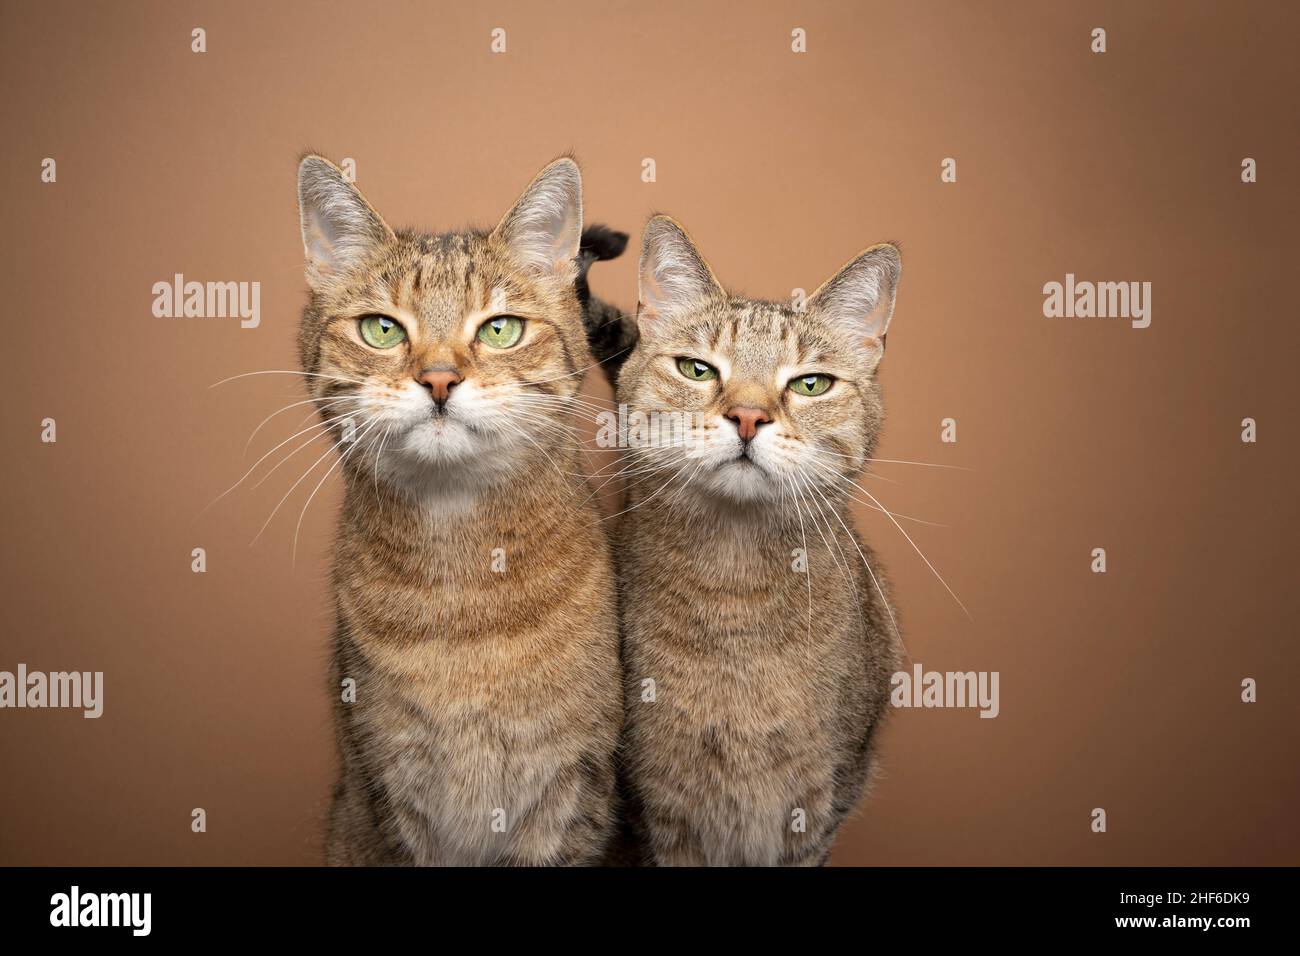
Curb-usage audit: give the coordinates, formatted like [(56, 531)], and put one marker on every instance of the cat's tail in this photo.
[(610, 333), (600, 243)]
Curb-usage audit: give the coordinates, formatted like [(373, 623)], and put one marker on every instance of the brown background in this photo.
[(1118, 690)]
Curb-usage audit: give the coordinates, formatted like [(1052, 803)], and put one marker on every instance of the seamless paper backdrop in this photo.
[(1119, 690)]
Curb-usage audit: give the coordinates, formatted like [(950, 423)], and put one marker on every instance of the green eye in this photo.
[(381, 332), (810, 385), (696, 370), (501, 332)]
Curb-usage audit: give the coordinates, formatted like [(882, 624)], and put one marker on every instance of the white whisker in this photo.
[(286, 371), (356, 443)]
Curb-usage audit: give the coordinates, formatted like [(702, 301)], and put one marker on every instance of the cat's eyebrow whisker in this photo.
[(287, 371)]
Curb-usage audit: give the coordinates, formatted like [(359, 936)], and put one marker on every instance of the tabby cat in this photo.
[(758, 636), (476, 659)]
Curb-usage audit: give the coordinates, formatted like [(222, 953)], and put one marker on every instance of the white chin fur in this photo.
[(446, 470), (741, 480), (441, 441), (453, 456)]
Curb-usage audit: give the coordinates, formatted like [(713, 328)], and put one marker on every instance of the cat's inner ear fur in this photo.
[(544, 228), (339, 228), (860, 297), (673, 278)]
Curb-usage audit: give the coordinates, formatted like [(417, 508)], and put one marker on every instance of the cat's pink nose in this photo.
[(747, 420), (439, 381)]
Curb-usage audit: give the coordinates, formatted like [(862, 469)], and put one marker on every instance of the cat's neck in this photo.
[(448, 510), (719, 519)]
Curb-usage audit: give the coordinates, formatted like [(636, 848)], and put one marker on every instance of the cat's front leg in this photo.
[(572, 822), (352, 838), (671, 839), (810, 828)]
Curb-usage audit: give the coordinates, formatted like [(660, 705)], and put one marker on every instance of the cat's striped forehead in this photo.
[(440, 279), (758, 337), (439, 287)]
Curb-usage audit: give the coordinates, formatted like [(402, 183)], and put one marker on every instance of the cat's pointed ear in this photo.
[(673, 280), (544, 228), (860, 297), (339, 228)]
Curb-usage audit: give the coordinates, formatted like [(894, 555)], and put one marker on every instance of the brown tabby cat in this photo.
[(476, 624), (755, 682)]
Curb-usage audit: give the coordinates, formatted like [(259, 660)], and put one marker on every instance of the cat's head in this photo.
[(777, 399), (442, 361)]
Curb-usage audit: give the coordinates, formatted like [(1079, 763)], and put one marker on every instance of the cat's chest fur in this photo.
[(469, 745), (752, 653), (486, 684)]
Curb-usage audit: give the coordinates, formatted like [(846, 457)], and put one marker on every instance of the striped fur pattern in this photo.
[(476, 619), (754, 689)]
